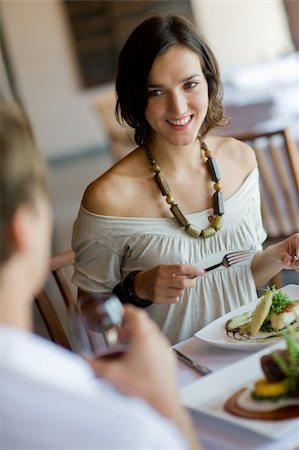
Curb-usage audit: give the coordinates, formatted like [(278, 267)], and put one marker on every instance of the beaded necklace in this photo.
[(216, 221)]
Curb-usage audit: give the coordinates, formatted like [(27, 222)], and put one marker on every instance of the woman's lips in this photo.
[(181, 123)]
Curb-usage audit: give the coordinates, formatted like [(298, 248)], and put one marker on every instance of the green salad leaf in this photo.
[(289, 367), (279, 300)]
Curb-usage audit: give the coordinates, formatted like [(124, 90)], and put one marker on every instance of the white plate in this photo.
[(215, 333), (208, 395)]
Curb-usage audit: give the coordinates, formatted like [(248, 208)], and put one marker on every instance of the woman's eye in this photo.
[(191, 84), (155, 93)]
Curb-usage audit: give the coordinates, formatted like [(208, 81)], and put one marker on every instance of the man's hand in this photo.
[(147, 367), (147, 370)]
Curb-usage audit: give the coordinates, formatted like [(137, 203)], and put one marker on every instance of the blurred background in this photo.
[(58, 59)]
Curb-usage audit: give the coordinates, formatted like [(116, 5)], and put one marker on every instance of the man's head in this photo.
[(26, 219)]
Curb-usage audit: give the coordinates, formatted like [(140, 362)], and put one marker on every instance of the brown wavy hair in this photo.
[(150, 39)]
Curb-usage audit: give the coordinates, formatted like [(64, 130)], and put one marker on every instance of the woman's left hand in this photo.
[(286, 252), (269, 262)]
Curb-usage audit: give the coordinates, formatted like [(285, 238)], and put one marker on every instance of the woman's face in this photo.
[(177, 96)]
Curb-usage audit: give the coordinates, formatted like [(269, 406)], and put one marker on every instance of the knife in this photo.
[(202, 370)]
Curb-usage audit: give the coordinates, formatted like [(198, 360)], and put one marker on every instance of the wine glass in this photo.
[(94, 328)]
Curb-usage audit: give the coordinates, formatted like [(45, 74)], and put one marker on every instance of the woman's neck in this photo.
[(175, 158)]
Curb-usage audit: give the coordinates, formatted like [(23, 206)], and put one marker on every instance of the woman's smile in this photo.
[(180, 124)]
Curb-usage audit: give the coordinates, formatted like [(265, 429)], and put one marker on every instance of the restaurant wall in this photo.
[(41, 56), (39, 46), (244, 31)]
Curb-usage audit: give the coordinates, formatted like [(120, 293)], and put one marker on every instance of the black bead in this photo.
[(218, 203), (162, 183), (213, 169), (176, 211)]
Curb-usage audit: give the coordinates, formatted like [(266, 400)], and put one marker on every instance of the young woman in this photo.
[(182, 199)]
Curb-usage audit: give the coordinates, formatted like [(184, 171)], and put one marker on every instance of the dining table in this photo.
[(213, 432)]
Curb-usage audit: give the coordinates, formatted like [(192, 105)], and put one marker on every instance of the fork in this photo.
[(231, 258)]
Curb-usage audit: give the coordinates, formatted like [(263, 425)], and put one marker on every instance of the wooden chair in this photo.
[(278, 161), (59, 310), (58, 287), (120, 137)]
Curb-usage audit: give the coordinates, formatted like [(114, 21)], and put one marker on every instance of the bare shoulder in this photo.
[(113, 191), (236, 153)]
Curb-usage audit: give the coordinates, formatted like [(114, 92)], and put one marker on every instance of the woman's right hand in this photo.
[(166, 283)]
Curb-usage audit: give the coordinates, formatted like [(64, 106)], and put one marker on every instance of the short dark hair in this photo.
[(22, 172), (150, 39)]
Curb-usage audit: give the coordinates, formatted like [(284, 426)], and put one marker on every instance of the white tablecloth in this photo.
[(216, 434)]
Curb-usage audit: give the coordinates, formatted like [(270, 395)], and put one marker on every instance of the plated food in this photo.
[(275, 396), (208, 395), (273, 313), (215, 333)]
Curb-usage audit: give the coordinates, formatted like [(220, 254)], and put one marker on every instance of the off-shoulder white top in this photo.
[(108, 248)]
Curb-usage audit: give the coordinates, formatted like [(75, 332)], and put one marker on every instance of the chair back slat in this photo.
[(48, 301), (287, 185), (64, 287), (292, 152), (51, 320), (278, 163), (62, 260), (269, 193)]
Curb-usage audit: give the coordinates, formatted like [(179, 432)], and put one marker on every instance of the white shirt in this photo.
[(108, 248), (49, 399)]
